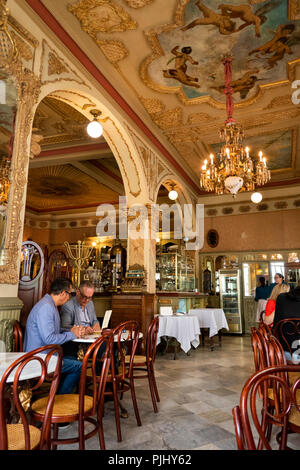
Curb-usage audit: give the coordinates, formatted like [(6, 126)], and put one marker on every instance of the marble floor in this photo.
[(197, 395)]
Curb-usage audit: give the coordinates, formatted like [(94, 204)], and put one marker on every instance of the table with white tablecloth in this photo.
[(184, 328), (212, 318)]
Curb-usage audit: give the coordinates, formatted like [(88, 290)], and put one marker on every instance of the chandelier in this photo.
[(233, 169)]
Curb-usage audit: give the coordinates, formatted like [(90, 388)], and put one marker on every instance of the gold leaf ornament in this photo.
[(101, 16), (114, 51)]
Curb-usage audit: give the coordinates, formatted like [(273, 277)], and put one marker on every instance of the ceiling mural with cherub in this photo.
[(259, 35), (164, 59)]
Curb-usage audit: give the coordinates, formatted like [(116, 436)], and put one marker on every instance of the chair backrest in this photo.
[(151, 339), (106, 319), (49, 359), (259, 347), (18, 337), (287, 331), (248, 418), (126, 338), (98, 355)]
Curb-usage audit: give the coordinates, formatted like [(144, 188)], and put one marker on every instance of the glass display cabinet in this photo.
[(292, 274), (231, 299), (175, 272)]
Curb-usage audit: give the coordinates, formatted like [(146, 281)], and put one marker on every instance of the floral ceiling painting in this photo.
[(259, 35)]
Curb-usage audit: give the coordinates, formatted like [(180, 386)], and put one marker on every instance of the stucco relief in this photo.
[(138, 3), (53, 68), (101, 16)]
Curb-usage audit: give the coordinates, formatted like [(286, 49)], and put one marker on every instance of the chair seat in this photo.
[(137, 359), (64, 405), (16, 437)]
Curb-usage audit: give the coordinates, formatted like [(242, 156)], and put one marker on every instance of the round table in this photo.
[(30, 371)]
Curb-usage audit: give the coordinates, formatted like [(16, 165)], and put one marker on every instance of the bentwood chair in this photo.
[(81, 407), (22, 435), (146, 363), (120, 378), (252, 424), (288, 331)]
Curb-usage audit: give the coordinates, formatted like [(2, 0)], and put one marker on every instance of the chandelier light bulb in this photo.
[(94, 129), (256, 197), (173, 195)]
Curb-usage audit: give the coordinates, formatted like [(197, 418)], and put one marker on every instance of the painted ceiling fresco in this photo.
[(259, 35)]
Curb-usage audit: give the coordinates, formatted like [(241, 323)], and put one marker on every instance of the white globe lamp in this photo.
[(94, 128), (173, 195), (256, 197)]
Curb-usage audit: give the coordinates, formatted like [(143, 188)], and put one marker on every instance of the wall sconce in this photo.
[(94, 128)]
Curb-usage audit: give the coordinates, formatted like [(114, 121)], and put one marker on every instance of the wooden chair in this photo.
[(120, 378), (80, 407), (246, 416), (18, 337), (23, 435), (146, 363), (287, 331)]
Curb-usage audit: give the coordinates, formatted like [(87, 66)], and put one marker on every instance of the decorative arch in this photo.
[(115, 133)]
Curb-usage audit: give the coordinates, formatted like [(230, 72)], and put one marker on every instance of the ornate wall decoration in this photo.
[(212, 238), (24, 40), (54, 68), (101, 16)]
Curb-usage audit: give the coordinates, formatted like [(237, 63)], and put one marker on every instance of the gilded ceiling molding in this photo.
[(168, 119), (294, 10), (114, 51), (101, 16), (28, 89), (54, 68), (138, 3), (157, 52)]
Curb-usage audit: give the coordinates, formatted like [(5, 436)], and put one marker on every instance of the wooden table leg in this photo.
[(220, 338), (211, 343)]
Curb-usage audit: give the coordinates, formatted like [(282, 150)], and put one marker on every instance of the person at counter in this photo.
[(80, 310), (262, 290), (43, 328)]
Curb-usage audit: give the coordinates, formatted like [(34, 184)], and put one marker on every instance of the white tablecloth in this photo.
[(184, 328), (31, 370), (212, 318)]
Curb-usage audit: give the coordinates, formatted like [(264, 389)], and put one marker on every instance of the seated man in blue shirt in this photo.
[(43, 327), (80, 310)]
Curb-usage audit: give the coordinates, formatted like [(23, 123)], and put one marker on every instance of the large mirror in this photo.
[(8, 106)]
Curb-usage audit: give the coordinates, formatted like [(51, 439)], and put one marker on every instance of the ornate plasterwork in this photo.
[(101, 16), (28, 89), (138, 3), (54, 68), (294, 10), (114, 51)]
